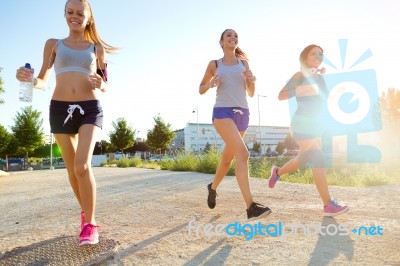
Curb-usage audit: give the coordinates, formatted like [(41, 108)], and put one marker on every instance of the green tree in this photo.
[(268, 149), (256, 147), (390, 109), (11, 148), (290, 143), (1, 87), (160, 137), (28, 130), (208, 148), (44, 151), (139, 145), (5, 139), (123, 136), (280, 148), (390, 114), (102, 147)]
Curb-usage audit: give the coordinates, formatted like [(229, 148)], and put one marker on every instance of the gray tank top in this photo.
[(72, 60), (231, 92)]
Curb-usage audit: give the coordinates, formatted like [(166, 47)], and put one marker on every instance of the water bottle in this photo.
[(26, 89)]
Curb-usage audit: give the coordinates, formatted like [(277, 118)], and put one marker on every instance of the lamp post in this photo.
[(259, 120), (196, 110), (51, 151)]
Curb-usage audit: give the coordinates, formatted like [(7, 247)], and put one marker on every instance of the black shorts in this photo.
[(68, 117)]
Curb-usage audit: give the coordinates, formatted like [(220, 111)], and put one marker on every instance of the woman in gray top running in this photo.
[(234, 81)]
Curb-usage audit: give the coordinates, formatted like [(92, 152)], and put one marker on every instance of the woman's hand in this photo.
[(215, 81), (249, 76), (24, 74), (97, 81)]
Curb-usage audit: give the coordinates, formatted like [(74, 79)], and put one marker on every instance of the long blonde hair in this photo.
[(238, 52), (91, 33)]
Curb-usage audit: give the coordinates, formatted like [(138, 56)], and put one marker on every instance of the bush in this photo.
[(184, 162), (355, 175), (208, 163)]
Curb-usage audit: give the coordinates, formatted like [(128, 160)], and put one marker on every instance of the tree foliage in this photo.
[(28, 130), (290, 143), (390, 109), (160, 137), (44, 151), (5, 139), (1, 87), (256, 147), (102, 147), (139, 145), (390, 114), (280, 148), (123, 136), (11, 149)]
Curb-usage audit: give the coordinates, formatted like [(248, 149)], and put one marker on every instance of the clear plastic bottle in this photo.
[(26, 89)]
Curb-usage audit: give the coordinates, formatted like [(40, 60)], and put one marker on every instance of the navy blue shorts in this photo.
[(240, 116), (68, 117)]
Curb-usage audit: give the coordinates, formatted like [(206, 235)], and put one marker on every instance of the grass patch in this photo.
[(355, 175)]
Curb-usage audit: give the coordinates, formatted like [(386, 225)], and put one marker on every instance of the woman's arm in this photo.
[(48, 60), (99, 79), (289, 90), (208, 76), (250, 80)]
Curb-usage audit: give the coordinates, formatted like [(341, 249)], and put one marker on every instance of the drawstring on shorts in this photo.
[(71, 109)]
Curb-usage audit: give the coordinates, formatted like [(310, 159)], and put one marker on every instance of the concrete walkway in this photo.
[(151, 217)]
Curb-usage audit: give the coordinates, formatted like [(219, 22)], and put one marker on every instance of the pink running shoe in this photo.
[(333, 209), (82, 219), (274, 176), (89, 235)]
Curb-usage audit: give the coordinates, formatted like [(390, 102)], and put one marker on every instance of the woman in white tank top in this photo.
[(234, 81)]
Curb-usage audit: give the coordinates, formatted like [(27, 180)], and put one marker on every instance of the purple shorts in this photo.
[(240, 116), (68, 117)]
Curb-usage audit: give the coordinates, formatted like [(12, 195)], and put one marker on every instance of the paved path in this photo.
[(145, 217)]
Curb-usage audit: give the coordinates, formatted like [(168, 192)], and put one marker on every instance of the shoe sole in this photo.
[(336, 213), (263, 215), (84, 243), (270, 181)]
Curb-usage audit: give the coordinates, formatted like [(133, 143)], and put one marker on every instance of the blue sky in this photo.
[(166, 46)]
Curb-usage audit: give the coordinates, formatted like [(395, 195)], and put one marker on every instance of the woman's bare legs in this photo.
[(234, 147), (77, 153), (68, 144), (83, 170), (319, 174)]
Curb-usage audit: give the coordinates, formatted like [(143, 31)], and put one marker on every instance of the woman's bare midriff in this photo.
[(74, 87)]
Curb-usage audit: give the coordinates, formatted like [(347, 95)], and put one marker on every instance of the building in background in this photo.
[(196, 137)]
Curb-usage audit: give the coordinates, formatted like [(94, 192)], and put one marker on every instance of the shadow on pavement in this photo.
[(135, 247), (218, 258), (330, 246)]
